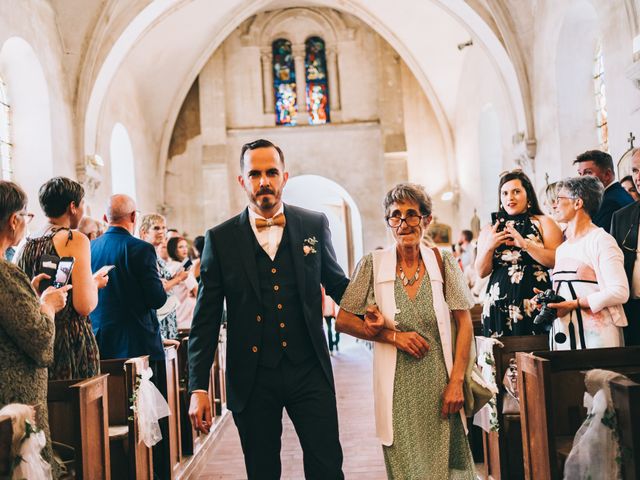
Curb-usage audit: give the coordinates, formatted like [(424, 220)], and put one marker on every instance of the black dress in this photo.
[(507, 306)]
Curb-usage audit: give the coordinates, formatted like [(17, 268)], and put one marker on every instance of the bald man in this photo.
[(624, 228), (125, 322)]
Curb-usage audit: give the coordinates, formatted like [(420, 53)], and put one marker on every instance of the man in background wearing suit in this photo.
[(599, 164), (624, 227), (125, 322), (267, 263)]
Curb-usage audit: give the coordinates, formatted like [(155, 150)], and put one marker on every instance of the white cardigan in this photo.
[(384, 354)]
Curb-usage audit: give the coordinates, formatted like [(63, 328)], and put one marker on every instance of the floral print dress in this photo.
[(508, 309)]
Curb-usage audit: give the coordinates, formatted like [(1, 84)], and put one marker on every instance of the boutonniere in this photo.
[(309, 246)]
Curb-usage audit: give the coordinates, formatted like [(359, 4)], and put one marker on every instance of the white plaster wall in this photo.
[(123, 107), (482, 89), (34, 22)]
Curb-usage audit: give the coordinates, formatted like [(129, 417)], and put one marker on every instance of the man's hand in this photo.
[(200, 412), (373, 321)]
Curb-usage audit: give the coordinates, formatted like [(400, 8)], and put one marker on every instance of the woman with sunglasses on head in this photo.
[(399, 299), (589, 273), (76, 353), (516, 250)]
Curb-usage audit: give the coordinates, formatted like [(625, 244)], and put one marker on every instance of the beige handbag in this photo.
[(477, 392)]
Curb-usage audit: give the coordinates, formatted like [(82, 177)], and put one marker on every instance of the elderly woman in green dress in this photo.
[(399, 299)]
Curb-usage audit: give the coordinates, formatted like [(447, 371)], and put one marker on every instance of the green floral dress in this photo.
[(424, 445)]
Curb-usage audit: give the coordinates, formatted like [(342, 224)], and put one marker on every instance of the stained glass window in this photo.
[(601, 99), (5, 132), (284, 82), (315, 64)]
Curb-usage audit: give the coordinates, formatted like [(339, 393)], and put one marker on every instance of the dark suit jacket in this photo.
[(228, 273), (621, 227), (125, 322), (615, 197)]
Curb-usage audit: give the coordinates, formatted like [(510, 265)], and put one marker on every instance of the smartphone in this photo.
[(187, 264), (105, 269), (499, 216), (48, 265), (63, 272)]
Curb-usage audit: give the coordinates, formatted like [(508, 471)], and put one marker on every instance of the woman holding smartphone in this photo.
[(187, 290), (75, 351), (517, 250)]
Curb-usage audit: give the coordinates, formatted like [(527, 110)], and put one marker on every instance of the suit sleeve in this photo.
[(145, 266), (207, 317), (332, 275)]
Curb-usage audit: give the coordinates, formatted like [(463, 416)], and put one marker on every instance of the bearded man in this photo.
[(266, 265)]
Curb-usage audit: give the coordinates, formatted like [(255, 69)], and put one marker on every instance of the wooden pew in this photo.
[(173, 399), (503, 449), (130, 458), (187, 434), (626, 400), (476, 319), (78, 417), (551, 398), (6, 436)]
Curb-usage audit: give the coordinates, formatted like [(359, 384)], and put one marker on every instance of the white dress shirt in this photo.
[(269, 238)]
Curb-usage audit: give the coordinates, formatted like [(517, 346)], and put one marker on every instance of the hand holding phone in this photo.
[(187, 264), (63, 272), (105, 269)]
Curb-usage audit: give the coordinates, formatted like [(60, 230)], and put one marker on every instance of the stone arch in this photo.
[(324, 195)]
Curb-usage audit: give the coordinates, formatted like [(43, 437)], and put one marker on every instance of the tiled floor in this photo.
[(362, 451)]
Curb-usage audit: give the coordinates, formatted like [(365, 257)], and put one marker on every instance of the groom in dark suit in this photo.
[(267, 264), (624, 228)]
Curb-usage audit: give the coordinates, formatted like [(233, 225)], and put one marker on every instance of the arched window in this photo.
[(284, 82), (123, 172), (601, 99), (315, 64), (5, 133)]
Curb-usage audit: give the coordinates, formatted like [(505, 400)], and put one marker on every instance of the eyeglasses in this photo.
[(28, 217), (507, 172), (159, 227), (624, 241), (410, 220), (558, 197)]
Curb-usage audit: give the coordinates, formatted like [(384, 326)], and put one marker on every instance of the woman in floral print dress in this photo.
[(517, 250)]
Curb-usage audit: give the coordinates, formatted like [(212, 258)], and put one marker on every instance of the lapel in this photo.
[(244, 233), (294, 230), (632, 240)]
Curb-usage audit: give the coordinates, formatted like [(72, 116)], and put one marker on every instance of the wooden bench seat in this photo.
[(78, 417), (626, 400), (551, 401), (6, 436), (503, 449), (130, 458)]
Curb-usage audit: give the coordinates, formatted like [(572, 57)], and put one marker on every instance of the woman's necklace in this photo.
[(408, 281)]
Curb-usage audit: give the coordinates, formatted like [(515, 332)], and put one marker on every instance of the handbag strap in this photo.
[(436, 252)]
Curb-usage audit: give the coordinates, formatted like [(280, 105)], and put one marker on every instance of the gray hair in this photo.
[(589, 189), (408, 192)]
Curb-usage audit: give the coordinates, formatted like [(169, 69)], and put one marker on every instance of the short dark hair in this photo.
[(534, 206), (587, 188), (57, 194), (260, 143), (629, 178), (198, 244), (12, 200), (467, 234), (602, 159), (172, 247)]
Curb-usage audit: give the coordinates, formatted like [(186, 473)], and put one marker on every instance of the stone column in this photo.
[(266, 57), (301, 84), (334, 86)]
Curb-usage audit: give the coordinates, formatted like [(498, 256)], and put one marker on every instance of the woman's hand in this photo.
[(55, 298), (180, 276), (516, 239), (373, 321), (412, 343), (563, 308), (497, 238), (452, 398), (167, 342), (35, 281)]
